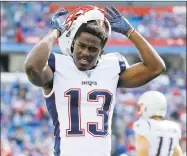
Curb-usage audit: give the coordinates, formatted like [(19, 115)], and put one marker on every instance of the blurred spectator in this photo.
[(19, 36)]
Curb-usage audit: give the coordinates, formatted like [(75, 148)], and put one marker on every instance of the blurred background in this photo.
[(26, 128)]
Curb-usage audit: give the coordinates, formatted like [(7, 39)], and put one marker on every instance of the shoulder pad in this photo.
[(141, 127)]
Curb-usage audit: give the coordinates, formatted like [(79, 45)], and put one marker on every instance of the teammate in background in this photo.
[(156, 136), (80, 88)]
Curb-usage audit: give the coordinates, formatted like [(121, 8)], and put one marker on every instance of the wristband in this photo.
[(130, 33)]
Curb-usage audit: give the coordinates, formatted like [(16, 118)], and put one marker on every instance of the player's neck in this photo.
[(156, 117)]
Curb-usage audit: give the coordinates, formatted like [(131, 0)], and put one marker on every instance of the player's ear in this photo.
[(72, 45), (102, 52)]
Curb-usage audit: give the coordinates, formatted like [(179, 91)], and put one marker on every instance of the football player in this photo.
[(80, 85), (154, 135)]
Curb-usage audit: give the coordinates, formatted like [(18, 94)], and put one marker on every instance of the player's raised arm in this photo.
[(152, 64), (36, 68)]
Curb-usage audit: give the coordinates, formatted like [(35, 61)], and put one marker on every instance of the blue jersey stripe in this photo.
[(51, 106), (51, 61), (122, 64)]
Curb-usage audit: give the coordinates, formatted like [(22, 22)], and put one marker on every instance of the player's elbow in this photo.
[(31, 70), (161, 68), (31, 66), (28, 64), (34, 76)]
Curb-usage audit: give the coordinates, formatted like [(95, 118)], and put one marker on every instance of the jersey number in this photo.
[(160, 146), (74, 112)]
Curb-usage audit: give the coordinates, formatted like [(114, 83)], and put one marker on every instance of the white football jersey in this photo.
[(81, 104), (163, 135)]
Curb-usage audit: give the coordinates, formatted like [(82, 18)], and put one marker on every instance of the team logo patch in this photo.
[(88, 73)]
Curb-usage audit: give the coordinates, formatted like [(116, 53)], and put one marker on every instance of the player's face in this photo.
[(87, 49)]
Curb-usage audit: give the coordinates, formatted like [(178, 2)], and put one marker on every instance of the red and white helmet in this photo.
[(76, 19)]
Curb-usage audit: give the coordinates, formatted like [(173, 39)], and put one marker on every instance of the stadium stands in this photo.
[(152, 22)]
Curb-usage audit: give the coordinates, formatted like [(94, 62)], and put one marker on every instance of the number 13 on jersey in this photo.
[(74, 108)]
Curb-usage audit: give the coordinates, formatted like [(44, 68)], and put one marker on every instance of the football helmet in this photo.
[(76, 19), (152, 103)]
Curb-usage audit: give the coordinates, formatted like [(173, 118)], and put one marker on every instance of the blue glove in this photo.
[(55, 21), (118, 22)]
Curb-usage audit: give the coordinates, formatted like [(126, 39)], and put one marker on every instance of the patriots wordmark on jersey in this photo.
[(163, 135), (81, 104)]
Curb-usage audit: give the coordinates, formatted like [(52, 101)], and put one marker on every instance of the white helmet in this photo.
[(152, 103), (76, 19)]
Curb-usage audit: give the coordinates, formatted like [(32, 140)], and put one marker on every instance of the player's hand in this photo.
[(118, 22), (55, 21)]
